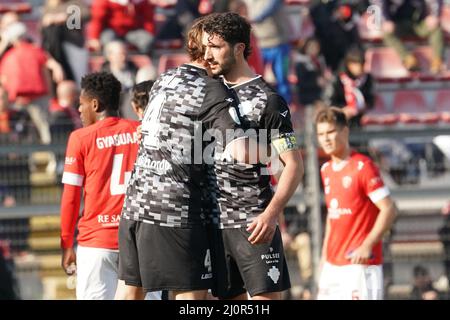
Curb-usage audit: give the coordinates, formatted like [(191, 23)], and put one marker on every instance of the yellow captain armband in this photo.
[(285, 142)]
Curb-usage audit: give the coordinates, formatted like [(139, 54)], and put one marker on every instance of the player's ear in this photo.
[(239, 48), (95, 105)]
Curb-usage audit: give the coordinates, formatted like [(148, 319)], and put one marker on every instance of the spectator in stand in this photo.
[(423, 288), (128, 20), (414, 17), (5, 112), (123, 69), (119, 65), (336, 29), (178, 19), (22, 73), (352, 90), (310, 69), (64, 117), (14, 124), (63, 39), (268, 19), (7, 19), (8, 283)]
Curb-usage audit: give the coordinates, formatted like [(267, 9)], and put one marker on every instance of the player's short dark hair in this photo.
[(140, 93), (104, 87), (194, 45), (230, 26), (331, 115)]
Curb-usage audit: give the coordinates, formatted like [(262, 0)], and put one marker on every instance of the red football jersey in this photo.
[(351, 189), (100, 159)]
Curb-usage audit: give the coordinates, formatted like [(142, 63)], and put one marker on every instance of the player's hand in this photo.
[(68, 261), (262, 229), (361, 255)]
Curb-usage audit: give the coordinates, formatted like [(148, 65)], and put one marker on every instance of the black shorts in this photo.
[(164, 258), (239, 266)]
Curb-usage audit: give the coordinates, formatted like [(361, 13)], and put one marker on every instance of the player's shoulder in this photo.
[(133, 124), (325, 166), (360, 160)]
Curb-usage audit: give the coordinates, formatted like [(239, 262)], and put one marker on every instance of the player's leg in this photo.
[(190, 295), (129, 286), (126, 292), (97, 273), (329, 281), (228, 283), (176, 259), (369, 286), (263, 266)]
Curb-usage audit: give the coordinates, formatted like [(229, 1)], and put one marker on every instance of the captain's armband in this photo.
[(285, 142)]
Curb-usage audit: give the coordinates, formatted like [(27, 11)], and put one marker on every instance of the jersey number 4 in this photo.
[(151, 122), (115, 186)]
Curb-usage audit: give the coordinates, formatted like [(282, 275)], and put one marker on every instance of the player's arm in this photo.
[(219, 115), (283, 141), (383, 223), (72, 179), (373, 186), (264, 226), (70, 208)]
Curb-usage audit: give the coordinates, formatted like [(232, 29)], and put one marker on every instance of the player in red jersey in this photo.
[(99, 161), (360, 211)]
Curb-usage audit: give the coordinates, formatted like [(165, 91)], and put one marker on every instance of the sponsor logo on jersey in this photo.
[(274, 274), (108, 219), (70, 160), (284, 114), (374, 181), (159, 166), (334, 212), (116, 140), (346, 182), (360, 165), (206, 276)]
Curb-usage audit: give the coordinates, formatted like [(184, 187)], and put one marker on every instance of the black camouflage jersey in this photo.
[(169, 177), (244, 191)]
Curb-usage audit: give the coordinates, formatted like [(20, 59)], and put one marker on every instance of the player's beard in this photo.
[(225, 67)]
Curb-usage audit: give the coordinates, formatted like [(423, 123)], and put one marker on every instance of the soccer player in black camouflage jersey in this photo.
[(248, 248), (163, 242)]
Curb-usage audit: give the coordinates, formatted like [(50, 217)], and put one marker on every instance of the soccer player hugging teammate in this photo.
[(162, 235), (360, 211), (248, 250), (99, 161)]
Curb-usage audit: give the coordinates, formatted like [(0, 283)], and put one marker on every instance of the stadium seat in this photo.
[(385, 64), (18, 7), (33, 30), (442, 100), (169, 44), (168, 61), (409, 102)]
